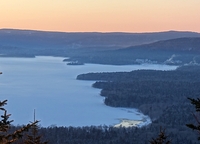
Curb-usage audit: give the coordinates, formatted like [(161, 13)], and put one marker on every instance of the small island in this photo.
[(75, 63)]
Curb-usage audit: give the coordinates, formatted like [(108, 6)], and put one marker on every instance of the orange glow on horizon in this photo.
[(101, 16)]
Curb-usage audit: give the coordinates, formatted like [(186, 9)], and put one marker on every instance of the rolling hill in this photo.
[(171, 47)]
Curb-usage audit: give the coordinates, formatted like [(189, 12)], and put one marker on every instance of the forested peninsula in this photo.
[(163, 95)]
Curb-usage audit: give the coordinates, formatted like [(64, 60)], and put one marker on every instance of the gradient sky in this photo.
[(101, 15)]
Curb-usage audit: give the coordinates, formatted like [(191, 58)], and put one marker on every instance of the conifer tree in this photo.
[(196, 127), (34, 138), (161, 139), (8, 138)]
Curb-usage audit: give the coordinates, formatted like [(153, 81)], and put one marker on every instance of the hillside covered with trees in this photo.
[(170, 47), (163, 95)]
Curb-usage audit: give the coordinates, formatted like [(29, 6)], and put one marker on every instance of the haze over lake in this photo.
[(49, 86)]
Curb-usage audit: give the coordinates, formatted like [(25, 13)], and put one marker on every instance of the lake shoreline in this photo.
[(35, 80)]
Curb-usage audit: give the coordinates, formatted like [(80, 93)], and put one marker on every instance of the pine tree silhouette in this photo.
[(34, 138), (8, 138), (161, 139), (196, 103)]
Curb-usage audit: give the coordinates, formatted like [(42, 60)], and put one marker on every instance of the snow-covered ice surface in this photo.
[(49, 86)]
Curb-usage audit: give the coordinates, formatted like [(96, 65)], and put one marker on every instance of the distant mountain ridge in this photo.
[(170, 47), (177, 51), (189, 44), (21, 38)]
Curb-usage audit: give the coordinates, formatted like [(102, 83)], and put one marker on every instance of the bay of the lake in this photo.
[(49, 86)]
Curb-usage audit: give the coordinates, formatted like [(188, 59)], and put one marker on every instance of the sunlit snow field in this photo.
[(49, 86)]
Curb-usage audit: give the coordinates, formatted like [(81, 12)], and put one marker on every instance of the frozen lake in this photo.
[(49, 86)]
